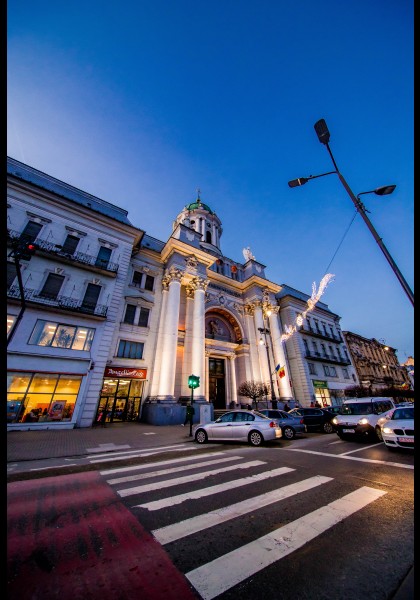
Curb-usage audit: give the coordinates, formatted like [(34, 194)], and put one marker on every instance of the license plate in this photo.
[(348, 430), (407, 440)]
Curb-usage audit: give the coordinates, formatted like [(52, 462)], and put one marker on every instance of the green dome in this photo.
[(199, 204)]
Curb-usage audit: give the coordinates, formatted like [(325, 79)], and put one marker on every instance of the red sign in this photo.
[(125, 372)]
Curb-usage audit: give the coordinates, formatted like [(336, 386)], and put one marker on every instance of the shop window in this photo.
[(70, 244), (60, 335), (10, 322), (37, 397), (144, 317), (149, 283), (127, 349), (52, 286), (103, 257)]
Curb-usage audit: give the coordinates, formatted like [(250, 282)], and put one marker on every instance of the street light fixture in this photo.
[(323, 134)]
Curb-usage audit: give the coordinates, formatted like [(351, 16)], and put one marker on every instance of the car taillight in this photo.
[(272, 424), (301, 421)]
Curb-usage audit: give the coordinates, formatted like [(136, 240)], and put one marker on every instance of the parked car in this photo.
[(359, 416), (290, 425), (239, 426), (398, 430), (335, 410), (315, 419)]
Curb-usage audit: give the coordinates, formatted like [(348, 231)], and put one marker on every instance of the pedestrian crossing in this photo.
[(194, 475)]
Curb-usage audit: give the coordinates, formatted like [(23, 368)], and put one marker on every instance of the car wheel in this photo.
[(288, 433), (255, 438), (327, 427), (379, 433), (201, 436)]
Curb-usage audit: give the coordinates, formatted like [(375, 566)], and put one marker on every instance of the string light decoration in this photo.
[(311, 303)]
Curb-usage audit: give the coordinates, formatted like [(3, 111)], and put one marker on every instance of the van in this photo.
[(359, 416)]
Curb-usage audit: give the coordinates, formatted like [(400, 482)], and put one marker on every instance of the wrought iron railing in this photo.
[(57, 250), (327, 358), (64, 302)]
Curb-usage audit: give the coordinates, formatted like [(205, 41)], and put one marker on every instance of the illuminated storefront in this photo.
[(121, 395), (322, 393), (40, 397)]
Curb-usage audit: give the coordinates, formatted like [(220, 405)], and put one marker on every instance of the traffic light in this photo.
[(26, 250), (193, 381)]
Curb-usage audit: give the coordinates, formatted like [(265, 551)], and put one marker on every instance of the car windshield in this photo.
[(403, 413), (258, 414), (362, 408)]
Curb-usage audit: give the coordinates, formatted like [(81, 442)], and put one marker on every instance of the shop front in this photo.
[(321, 391), (121, 395)]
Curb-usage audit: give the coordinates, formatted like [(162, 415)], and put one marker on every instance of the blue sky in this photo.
[(141, 103)]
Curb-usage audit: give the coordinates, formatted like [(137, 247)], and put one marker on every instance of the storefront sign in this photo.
[(318, 383), (125, 372)]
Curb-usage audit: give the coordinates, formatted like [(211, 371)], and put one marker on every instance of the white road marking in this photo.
[(160, 463), (149, 433), (215, 489), (207, 463), (228, 570), (171, 482), (108, 446), (168, 534), (344, 457), (140, 453), (54, 467), (360, 449)]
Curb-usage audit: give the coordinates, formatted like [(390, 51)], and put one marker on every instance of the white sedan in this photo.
[(239, 426), (398, 430)]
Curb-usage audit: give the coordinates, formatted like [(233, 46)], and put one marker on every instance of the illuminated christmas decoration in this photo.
[(311, 303)]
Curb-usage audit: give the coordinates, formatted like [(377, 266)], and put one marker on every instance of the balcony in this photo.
[(63, 303), (318, 334), (327, 358), (88, 261)]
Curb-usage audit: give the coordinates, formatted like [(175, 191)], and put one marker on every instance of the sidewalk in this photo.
[(35, 445)]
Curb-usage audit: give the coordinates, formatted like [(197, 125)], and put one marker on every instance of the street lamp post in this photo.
[(264, 331), (324, 137)]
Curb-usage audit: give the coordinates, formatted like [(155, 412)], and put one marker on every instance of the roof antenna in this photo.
[(198, 195)]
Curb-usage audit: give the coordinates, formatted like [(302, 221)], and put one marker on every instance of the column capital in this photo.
[(199, 283), (249, 309), (171, 274)]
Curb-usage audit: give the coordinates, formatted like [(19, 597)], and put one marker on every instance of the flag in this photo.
[(281, 371)]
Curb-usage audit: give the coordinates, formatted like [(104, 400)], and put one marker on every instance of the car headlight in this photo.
[(363, 421), (387, 430), (334, 421)]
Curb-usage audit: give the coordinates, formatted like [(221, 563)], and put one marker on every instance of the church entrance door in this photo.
[(217, 387)]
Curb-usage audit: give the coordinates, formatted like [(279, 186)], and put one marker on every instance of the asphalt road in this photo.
[(316, 517)]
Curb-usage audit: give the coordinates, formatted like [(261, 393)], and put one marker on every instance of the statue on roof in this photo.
[(248, 254)]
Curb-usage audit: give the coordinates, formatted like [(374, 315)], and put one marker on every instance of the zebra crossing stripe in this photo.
[(228, 570), (139, 453), (215, 489), (170, 533), (159, 463), (158, 485), (207, 463)]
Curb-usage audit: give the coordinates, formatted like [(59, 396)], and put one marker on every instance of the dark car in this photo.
[(290, 425), (315, 419), (332, 409)]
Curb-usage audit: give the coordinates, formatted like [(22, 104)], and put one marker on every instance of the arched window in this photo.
[(208, 237)]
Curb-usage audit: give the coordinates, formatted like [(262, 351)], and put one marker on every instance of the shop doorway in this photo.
[(121, 400), (217, 382)]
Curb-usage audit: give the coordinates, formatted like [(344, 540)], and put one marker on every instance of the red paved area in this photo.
[(70, 537)]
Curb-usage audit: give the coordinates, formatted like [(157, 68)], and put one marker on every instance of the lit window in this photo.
[(60, 335)]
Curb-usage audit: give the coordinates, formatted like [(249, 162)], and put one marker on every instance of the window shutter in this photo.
[(30, 233), (144, 317), (70, 244), (91, 296), (130, 313), (103, 257)]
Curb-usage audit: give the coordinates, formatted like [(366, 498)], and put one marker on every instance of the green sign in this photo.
[(318, 383)]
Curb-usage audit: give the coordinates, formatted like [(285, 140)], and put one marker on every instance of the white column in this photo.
[(186, 366), (170, 336), (253, 343), (154, 387), (279, 355), (262, 352), (233, 392), (198, 333)]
